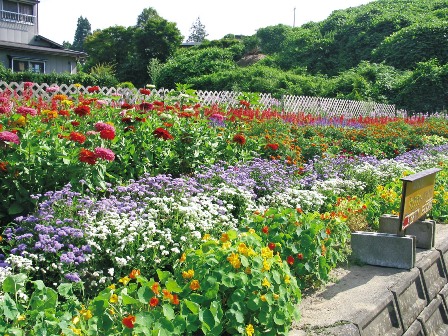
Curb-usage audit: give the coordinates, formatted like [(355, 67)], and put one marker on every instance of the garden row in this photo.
[(174, 218)]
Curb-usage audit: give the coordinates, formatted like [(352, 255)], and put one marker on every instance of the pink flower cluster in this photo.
[(24, 110), (104, 153), (52, 89), (7, 136)]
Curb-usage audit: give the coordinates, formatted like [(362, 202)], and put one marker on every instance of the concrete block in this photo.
[(382, 249), (434, 318), (443, 249), (415, 329), (444, 295), (434, 278), (423, 230), (410, 296), (384, 320)]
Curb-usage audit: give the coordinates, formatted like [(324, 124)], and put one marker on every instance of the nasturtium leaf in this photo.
[(10, 309), (207, 319), (168, 312), (279, 317), (13, 283), (173, 286), (128, 300), (192, 306)]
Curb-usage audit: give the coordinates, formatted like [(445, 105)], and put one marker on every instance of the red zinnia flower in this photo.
[(93, 89), (146, 106), (107, 134), (77, 137), (162, 133), (128, 321), (126, 106), (87, 156), (145, 91), (290, 260), (64, 113), (240, 139), (82, 110), (265, 230), (272, 146), (75, 123), (154, 302), (271, 246)]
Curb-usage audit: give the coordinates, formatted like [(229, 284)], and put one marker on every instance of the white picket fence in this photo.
[(329, 107)]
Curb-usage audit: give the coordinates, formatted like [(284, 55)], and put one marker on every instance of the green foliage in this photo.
[(430, 80), (271, 38), (186, 64), (83, 30), (417, 43)]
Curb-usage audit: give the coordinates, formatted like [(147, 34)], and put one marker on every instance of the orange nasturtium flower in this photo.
[(128, 321), (155, 288), (194, 285), (234, 260), (188, 274), (154, 302), (134, 273)]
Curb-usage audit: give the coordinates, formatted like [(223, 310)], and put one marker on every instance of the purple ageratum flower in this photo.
[(104, 153), (73, 277), (7, 136), (24, 110)]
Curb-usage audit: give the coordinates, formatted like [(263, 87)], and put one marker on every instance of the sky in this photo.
[(58, 18)]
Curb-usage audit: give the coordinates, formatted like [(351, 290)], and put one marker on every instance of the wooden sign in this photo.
[(417, 196)]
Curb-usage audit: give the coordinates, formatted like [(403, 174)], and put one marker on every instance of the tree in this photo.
[(83, 30), (112, 45), (145, 15), (197, 32), (156, 38)]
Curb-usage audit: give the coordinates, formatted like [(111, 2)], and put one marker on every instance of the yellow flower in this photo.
[(206, 237), (67, 102), (125, 280), (75, 320), (266, 283), (251, 231), (287, 279), (251, 252), (226, 245), (183, 257), (112, 286), (188, 274), (250, 330), (86, 313), (21, 318), (113, 298), (77, 85), (224, 238), (276, 296), (263, 298), (76, 331), (20, 122), (266, 252), (266, 266), (242, 248), (194, 285), (234, 260)]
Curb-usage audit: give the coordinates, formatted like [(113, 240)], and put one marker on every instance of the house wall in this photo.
[(18, 32), (53, 63)]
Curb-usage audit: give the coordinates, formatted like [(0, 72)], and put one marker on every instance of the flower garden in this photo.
[(161, 216)]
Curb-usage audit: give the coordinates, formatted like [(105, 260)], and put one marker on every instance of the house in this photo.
[(21, 46)]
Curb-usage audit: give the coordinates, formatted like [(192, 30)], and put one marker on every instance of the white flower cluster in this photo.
[(338, 187), (4, 273), (307, 200)]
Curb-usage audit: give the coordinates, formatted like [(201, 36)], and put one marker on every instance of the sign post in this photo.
[(417, 196), (396, 242)]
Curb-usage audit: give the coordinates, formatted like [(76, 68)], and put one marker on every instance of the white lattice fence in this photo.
[(329, 107)]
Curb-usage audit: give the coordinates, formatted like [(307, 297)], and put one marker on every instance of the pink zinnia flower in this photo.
[(99, 126), (52, 89), (7, 136), (104, 153), (23, 110), (27, 85)]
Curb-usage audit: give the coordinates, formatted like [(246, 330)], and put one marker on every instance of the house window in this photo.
[(17, 12), (20, 64)]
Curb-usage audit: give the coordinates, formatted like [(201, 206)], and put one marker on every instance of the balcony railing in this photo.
[(17, 17)]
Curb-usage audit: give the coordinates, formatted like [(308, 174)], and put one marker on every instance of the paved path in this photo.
[(354, 293)]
